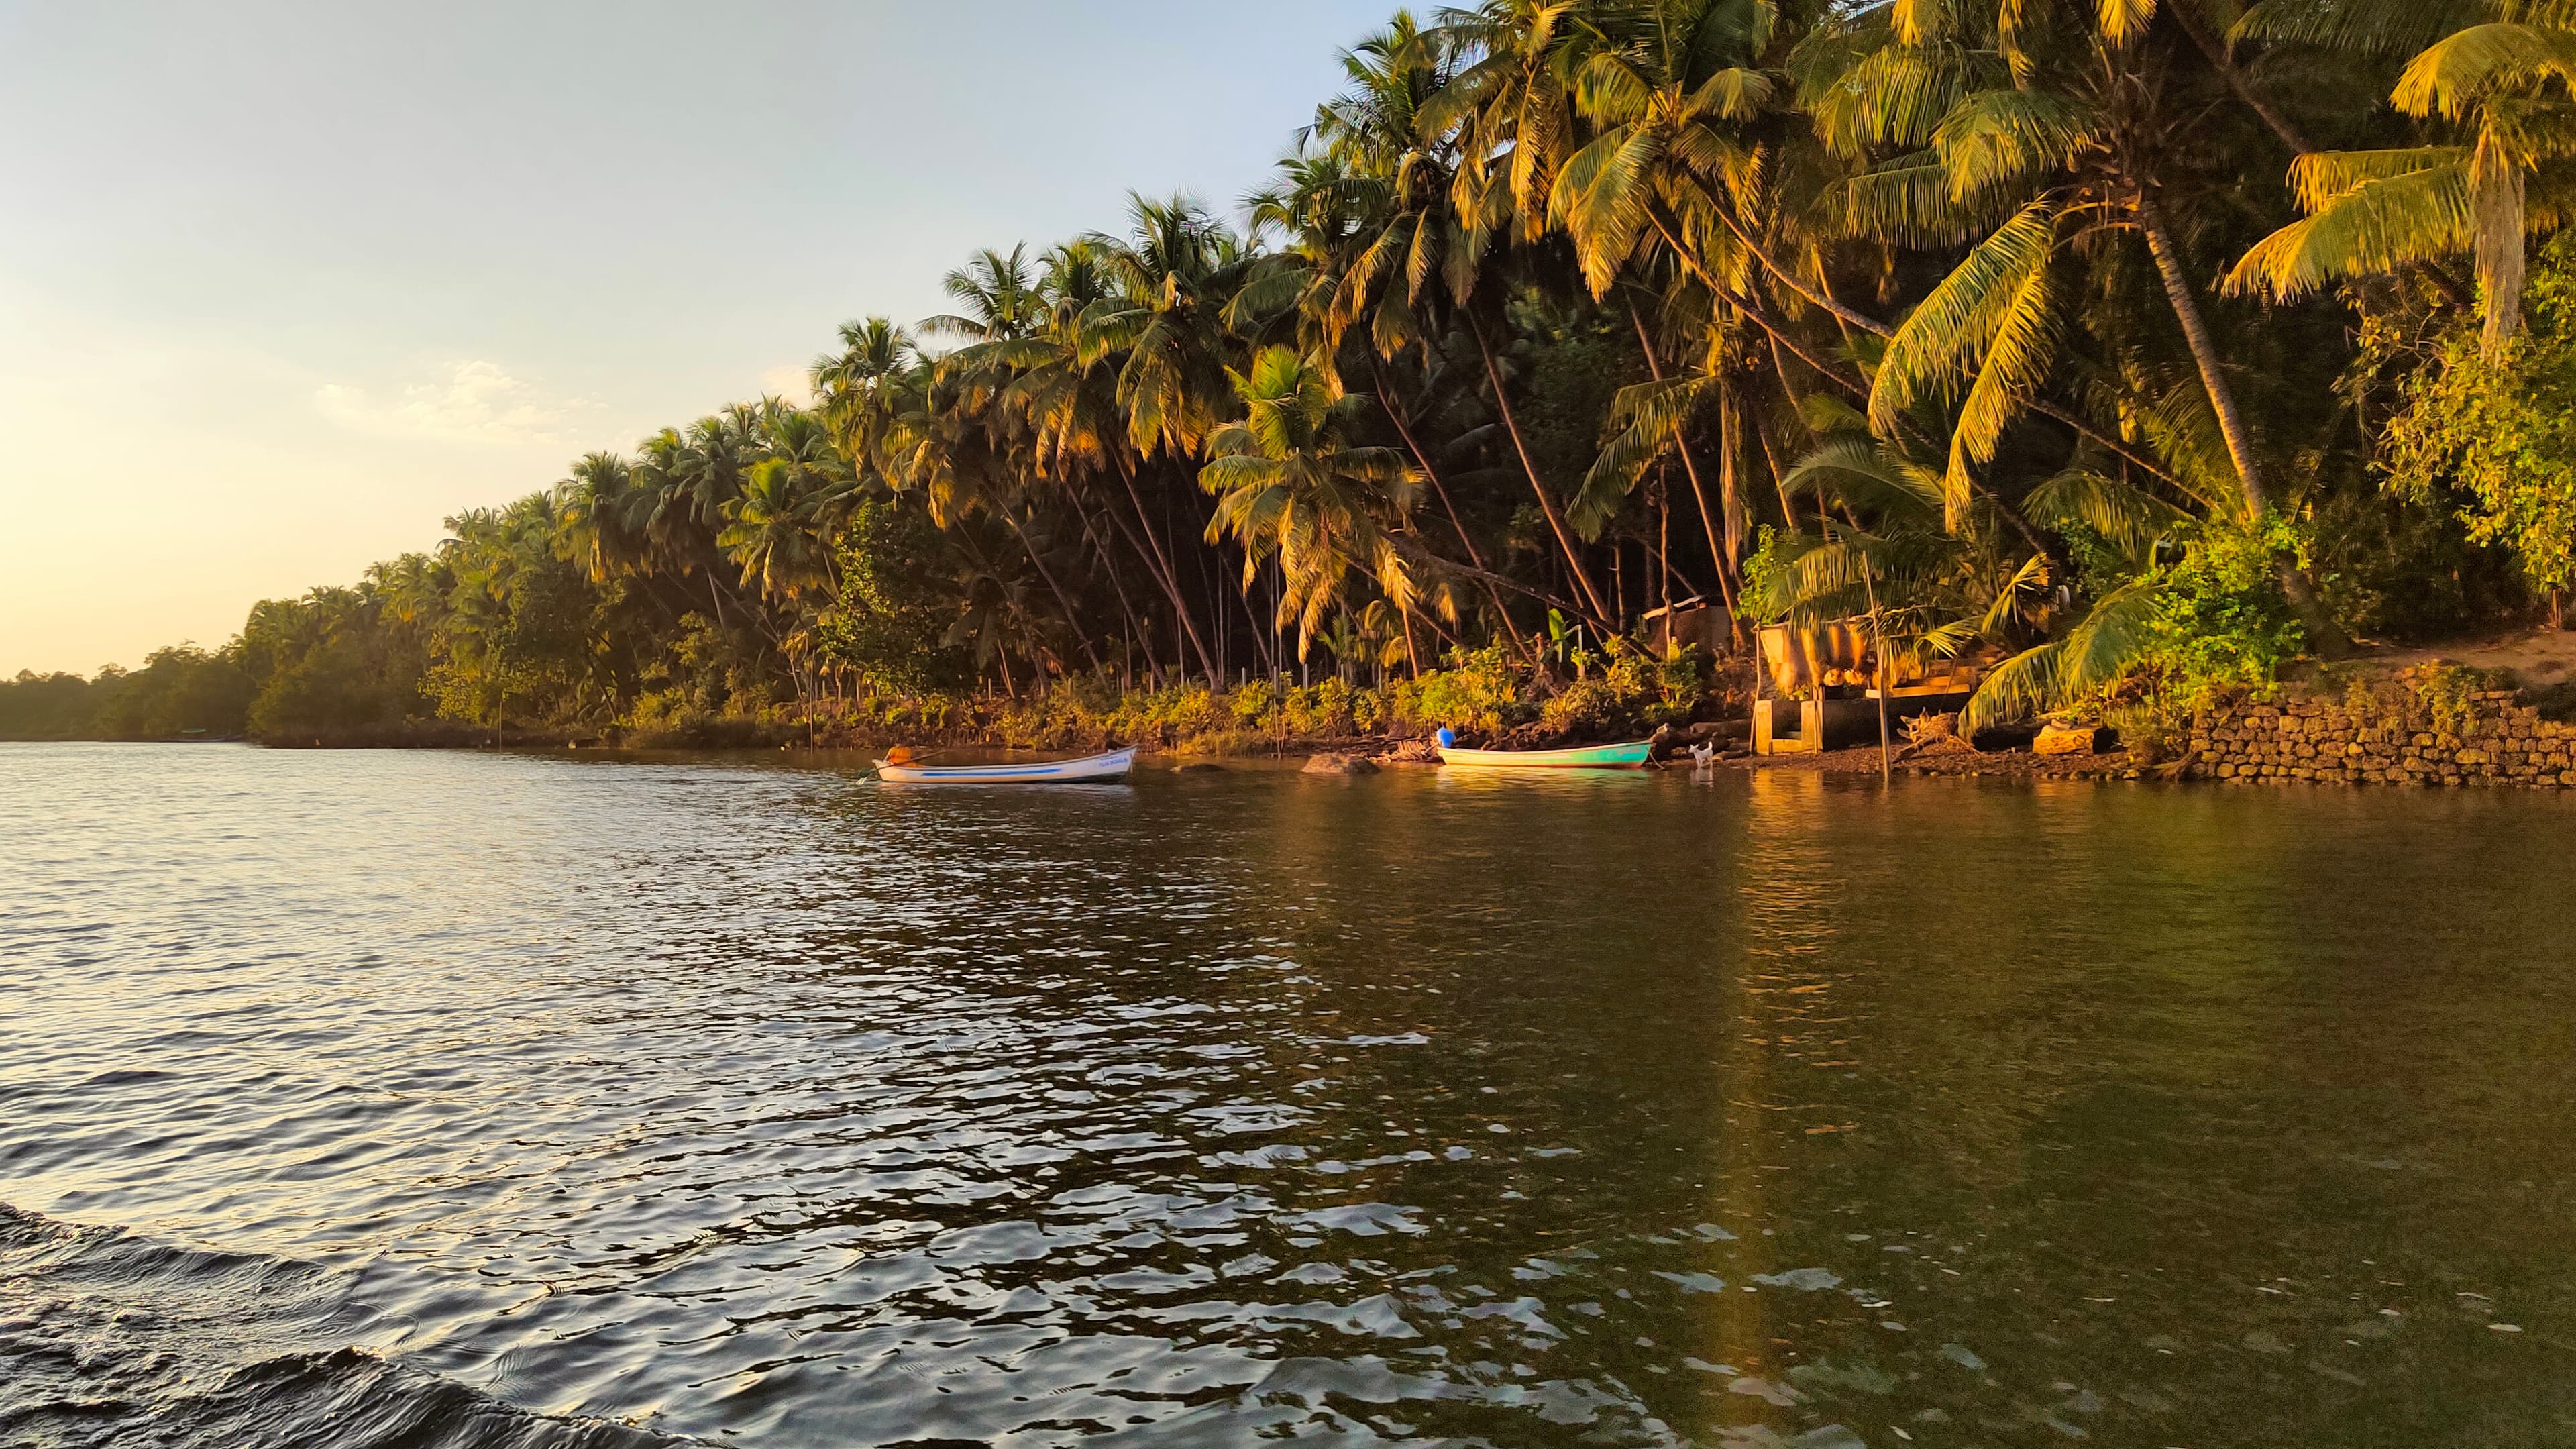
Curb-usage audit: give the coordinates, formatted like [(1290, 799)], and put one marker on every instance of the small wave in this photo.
[(109, 1339)]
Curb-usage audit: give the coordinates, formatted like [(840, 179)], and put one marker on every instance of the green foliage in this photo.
[(1913, 295), (2219, 619), (180, 690), (53, 706), (1479, 692), (338, 684), (1767, 592), (889, 625), (1632, 694), (2447, 693), (2401, 566), (1576, 361), (2161, 639), (2500, 428)]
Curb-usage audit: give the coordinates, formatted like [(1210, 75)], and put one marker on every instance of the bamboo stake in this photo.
[(1878, 634)]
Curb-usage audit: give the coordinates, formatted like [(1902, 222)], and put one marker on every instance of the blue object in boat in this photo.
[(1448, 737)]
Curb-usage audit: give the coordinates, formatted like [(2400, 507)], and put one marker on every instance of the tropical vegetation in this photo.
[(2146, 346)]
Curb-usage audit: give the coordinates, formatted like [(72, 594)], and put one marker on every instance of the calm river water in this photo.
[(374, 1099)]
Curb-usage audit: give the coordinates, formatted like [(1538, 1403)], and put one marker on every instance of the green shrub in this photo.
[(2220, 620), (1479, 692), (2501, 429)]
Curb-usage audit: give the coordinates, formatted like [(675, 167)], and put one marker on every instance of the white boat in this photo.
[(1111, 766)]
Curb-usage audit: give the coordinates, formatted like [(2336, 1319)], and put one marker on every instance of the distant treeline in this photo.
[(180, 692), (2145, 346)]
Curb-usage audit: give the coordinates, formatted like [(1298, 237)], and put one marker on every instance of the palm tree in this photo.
[(1076, 390), (1289, 485), (2504, 86), (601, 516), (862, 388), (998, 298), (1172, 272), (2067, 126), (777, 530), (1435, 123)]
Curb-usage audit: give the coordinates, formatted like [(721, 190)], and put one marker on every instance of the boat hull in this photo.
[(1090, 769), (1630, 756)]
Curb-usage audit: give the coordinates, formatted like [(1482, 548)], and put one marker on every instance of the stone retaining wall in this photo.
[(2409, 734)]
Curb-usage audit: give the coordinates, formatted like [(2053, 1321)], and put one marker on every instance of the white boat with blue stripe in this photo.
[(1090, 769)]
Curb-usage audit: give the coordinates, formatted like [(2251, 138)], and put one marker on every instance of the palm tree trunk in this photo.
[(1109, 562), (1451, 509), (1722, 559), (1547, 505), (2323, 632), (1162, 566), (1072, 619), (2204, 352), (2211, 50), (1422, 460), (1260, 645), (2496, 207), (1771, 460)]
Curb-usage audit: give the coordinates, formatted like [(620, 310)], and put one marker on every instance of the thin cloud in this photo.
[(478, 402), (789, 381)]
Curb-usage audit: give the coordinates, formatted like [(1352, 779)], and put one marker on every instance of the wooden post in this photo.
[(1878, 636)]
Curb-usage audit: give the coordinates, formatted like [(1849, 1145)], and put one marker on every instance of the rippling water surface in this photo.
[(443, 1099)]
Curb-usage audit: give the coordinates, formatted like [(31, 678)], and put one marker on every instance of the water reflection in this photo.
[(769, 1106)]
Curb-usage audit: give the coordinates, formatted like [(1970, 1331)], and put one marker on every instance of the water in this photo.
[(440, 1099)]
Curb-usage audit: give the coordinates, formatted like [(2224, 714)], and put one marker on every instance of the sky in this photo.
[(284, 285)]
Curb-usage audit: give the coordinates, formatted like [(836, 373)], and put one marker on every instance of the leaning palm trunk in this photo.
[(1109, 564), (1072, 619), (1431, 475), (1720, 558), (1547, 505), (2323, 633), (1160, 566), (2204, 352), (2212, 49)]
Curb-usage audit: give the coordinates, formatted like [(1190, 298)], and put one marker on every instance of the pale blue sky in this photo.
[(282, 285)]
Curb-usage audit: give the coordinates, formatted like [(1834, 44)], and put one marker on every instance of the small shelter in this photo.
[(1678, 625), (1813, 686)]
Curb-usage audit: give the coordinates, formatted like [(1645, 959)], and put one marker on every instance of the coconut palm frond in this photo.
[(1870, 478), (2104, 644), (2025, 582), (1947, 337), (2370, 212), (2129, 519)]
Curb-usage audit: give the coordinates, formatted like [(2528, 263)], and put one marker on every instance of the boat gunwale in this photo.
[(1579, 757), (1105, 766)]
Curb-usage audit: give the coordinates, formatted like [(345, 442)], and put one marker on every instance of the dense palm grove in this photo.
[(2144, 346)]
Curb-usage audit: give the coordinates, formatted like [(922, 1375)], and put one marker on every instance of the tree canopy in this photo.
[(2061, 330)]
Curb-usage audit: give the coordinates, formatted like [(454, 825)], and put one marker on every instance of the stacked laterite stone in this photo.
[(2401, 735)]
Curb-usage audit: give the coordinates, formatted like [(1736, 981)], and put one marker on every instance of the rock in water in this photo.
[(1340, 765), (2072, 740)]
